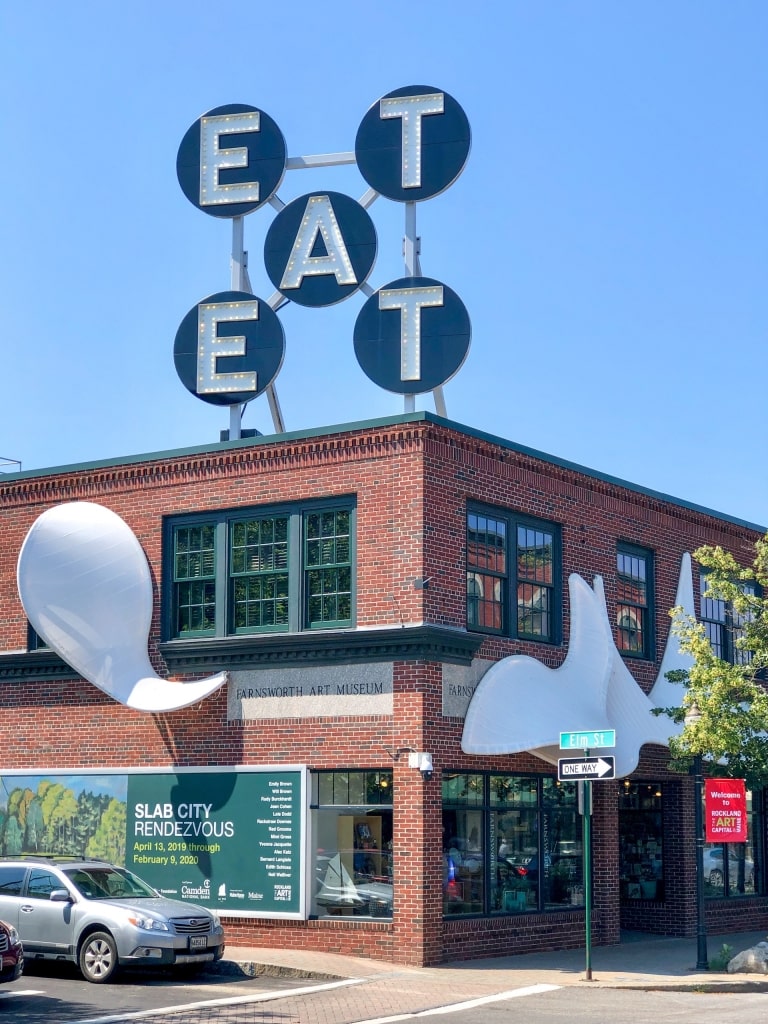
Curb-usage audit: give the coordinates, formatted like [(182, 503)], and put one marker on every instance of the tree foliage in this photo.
[(731, 699), (57, 820)]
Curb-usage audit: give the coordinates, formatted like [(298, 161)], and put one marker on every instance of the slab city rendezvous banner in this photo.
[(231, 840)]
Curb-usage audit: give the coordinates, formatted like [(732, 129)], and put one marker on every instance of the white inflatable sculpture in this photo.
[(522, 705), (86, 588)]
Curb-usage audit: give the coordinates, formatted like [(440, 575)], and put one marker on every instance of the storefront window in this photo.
[(730, 868), (511, 843), (352, 829), (641, 863)]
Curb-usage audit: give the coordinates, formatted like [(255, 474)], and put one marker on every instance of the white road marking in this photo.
[(231, 1001), (468, 1004)]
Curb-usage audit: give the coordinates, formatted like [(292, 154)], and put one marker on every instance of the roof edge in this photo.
[(420, 416)]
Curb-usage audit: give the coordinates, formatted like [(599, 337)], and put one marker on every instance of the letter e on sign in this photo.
[(229, 348), (231, 160)]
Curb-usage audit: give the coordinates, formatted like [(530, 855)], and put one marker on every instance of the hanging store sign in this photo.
[(413, 334), (725, 801)]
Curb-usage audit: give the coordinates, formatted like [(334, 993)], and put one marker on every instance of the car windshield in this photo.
[(108, 883)]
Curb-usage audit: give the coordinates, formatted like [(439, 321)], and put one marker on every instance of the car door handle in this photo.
[(27, 909)]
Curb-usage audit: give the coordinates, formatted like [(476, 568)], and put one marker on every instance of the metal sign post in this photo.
[(586, 829), (584, 770)]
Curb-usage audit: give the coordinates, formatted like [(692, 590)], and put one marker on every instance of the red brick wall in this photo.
[(412, 483)]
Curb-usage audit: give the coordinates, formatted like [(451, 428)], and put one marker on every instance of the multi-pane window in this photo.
[(634, 592), (724, 625), (194, 564), (511, 844), (641, 841), (736, 869), (327, 566), (246, 572), (512, 566), (259, 571), (353, 869)]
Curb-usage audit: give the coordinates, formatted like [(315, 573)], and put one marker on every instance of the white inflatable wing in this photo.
[(86, 588), (522, 705), (629, 709), (663, 693)]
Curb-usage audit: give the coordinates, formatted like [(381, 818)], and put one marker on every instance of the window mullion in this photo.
[(295, 573), (223, 610)]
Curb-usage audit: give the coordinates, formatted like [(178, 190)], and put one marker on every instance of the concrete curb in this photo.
[(251, 969)]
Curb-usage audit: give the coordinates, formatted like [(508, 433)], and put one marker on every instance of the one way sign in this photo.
[(585, 768)]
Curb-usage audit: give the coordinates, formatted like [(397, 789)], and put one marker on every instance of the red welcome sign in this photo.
[(726, 811)]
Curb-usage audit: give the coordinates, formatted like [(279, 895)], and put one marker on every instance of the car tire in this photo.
[(98, 958), (716, 878)]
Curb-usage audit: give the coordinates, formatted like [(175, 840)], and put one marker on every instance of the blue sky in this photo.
[(609, 234)]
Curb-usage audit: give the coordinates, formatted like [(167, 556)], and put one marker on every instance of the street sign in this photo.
[(588, 739), (586, 768)]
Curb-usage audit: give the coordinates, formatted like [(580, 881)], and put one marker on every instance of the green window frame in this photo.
[(328, 568), (194, 579), (512, 843), (259, 572), (634, 601), (244, 571), (724, 625), (352, 867), (513, 565)]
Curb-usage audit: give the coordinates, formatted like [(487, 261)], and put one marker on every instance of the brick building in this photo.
[(355, 583)]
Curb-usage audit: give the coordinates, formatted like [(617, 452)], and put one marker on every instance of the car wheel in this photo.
[(98, 957), (716, 878)]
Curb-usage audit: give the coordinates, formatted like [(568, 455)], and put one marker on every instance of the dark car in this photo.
[(566, 865), (11, 953)]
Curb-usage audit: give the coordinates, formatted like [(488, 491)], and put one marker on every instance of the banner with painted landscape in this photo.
[(233, 841)]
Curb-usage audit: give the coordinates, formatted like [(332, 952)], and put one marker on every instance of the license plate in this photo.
[(198, 942)]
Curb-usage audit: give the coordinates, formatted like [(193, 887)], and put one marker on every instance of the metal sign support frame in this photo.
[(240, 281)]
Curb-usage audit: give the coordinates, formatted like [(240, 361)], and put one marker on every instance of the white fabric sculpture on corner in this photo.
[(522, 705), (85, 585)]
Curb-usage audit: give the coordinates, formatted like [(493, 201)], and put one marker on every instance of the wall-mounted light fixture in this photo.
[(395, 754), (423, 762)]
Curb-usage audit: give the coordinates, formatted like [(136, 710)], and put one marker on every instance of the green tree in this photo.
[(731, 729), (108, 842), (13, 838)]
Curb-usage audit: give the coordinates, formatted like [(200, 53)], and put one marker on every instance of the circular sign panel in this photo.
[(231, 160), (229, 348), (320, 248), (413, 143), (412, 335)]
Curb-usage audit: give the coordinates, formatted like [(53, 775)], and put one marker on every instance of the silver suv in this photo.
[(101, 917)]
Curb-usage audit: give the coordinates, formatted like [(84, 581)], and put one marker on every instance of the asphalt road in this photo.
[(56, 994), (571, 1005)]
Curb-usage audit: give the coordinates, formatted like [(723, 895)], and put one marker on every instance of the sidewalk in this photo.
[(376, 989)]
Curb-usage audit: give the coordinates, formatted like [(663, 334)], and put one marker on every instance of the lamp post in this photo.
[(702, 961)]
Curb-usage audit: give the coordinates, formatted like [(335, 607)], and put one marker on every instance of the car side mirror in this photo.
[(60, 896)]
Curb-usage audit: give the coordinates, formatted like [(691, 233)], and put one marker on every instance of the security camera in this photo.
[(425, 766)]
